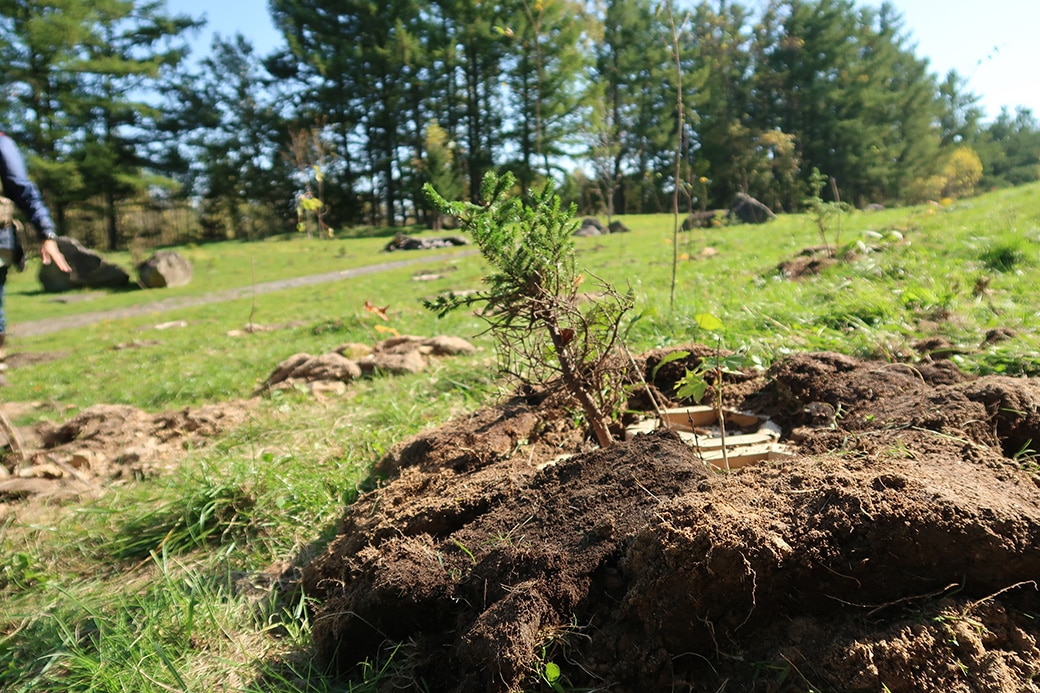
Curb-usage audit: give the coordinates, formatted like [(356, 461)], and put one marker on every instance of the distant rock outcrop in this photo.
[(591, 226)]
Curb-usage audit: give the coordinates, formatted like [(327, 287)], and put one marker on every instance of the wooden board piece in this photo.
[(687, 418), (735, 441)]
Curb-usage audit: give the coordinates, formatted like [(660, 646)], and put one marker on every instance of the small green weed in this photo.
[(21, 570), (826, 216), (465, 550), (694, 383), (862, 310), (1005, 255), (552, 676), (209, 510)]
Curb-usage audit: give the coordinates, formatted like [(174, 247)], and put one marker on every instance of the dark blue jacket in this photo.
[(24, 193)]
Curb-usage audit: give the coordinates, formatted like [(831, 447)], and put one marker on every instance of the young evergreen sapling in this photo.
[(545, 329)]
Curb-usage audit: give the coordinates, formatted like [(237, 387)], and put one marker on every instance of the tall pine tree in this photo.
[(545, 71), (860, 105), (82, 74)]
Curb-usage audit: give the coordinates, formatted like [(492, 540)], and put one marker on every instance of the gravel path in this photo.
[(38, 327)]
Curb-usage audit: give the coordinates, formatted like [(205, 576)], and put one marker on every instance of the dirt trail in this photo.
[(40, 327)]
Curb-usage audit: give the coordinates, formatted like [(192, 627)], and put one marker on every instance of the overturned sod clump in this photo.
[(896, 548), (348, 362)]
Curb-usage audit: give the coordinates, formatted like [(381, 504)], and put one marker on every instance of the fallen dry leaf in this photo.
[(381, 312)]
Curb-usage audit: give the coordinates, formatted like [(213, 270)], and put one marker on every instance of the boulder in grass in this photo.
[(591, 226), (705, 219), (164, 269), (596, 224), (89, 270), (404, 242), (748, 210)]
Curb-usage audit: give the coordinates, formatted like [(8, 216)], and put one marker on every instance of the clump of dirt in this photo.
[(810, 262), (332, 372), (108, 442), (102, 443), (897, 548)]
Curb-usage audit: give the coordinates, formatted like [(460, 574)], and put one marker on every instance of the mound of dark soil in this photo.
[(897, 549)]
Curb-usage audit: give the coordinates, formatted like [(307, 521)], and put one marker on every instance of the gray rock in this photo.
[(591, 226), (596, 224), (404, 242), (89, 270), (748, 210), (164, 269), (703, 220)]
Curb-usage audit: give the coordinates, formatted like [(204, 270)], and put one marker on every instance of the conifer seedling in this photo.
[(546, 330)]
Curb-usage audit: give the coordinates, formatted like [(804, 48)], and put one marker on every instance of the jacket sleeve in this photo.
[(24, 193)]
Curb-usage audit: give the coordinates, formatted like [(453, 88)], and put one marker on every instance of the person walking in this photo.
[(23, 193)]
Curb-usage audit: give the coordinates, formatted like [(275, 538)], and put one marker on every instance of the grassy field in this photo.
[(140, 588)]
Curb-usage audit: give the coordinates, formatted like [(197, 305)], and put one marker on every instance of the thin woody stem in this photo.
[(596, 418)]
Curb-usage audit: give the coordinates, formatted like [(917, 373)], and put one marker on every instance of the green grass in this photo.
[(142, 588), (216, 267)]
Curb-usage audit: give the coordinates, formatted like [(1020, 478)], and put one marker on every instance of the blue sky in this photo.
[(994, 44)]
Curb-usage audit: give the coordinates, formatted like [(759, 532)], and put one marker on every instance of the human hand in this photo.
[(49, 252)]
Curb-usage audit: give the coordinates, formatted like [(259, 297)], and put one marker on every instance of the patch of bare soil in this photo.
[(102, 443), (897, 548), (108, 442), (21, 359), (809, 262)]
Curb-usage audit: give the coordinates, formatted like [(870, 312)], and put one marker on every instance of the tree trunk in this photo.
[(111, 219), (597, 420)]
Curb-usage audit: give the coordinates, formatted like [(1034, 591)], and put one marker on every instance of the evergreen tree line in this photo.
[(626, 102)]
